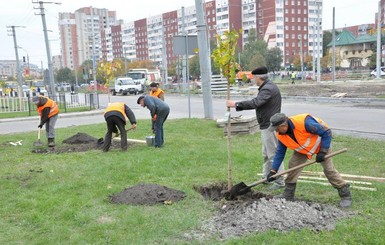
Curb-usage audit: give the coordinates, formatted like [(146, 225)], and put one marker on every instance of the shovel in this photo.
[(117, 134), (38, 142), (242, 188)]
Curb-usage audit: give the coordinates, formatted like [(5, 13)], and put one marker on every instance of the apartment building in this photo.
[(82, 34), (292, 25)]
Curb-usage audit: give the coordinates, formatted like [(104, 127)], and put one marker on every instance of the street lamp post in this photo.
[(301, 54)]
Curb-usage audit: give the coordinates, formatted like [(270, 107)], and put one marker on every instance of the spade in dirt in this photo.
[(38, 143), (242, 188)]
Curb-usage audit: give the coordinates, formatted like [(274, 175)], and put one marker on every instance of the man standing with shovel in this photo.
[(266, 103), (306, 135), (48, 111)]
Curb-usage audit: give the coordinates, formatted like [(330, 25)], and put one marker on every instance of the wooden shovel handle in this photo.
[(297, 167), (38, 133)]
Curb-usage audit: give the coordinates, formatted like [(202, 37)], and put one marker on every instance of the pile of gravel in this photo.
[(269, 214)]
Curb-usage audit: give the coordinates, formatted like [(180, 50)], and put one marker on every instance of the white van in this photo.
[(126, 85), (382, 72)]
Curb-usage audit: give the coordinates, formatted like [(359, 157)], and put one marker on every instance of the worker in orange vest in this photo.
[(48, 111), (307, 136), (156, 91), (116, 115)]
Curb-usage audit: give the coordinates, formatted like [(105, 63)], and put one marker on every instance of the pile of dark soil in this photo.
[(80, 138), (80, 142), (257, 212), (147, 194)]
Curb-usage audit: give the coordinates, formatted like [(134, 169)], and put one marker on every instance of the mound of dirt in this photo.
[(257, 212), (80, 138), (147, 194)]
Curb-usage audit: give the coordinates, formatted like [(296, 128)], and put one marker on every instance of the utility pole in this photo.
[(93, 55), (184, 63), (51, 91), (378, 57), (204, 60), (318, 45), (19, 78), (164, 58), (334, 48), (301, 55)]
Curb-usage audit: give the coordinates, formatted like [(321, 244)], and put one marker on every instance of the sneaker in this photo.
[(276, 186)]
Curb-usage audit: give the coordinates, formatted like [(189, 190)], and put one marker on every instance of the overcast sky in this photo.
[(30, 35)]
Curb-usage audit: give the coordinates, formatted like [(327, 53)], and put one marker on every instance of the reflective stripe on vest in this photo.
[(307, 143), (117, 106)]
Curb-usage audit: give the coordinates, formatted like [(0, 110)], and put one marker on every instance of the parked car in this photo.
[(374, 72)]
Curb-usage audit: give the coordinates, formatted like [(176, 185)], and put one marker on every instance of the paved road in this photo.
[(343, 118)]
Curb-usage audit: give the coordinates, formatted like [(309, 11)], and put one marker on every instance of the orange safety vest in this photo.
[(157, 93), (117, 106), (54, 108), (307, 143)]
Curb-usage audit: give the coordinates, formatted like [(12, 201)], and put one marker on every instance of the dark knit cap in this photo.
[(262, 70), (139, 99)]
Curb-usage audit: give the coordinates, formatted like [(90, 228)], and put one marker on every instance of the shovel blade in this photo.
[(37, 143), (238, 189)]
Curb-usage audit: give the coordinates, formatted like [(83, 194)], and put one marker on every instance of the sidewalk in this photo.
[(61, 115)]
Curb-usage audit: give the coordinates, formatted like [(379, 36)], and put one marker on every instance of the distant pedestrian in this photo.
[(116, 116), (159, 111), (293, 77), (48, 111)]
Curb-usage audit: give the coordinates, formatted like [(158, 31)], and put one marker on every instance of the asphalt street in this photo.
[(344, 118)]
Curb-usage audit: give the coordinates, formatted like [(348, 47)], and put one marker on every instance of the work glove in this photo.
[(154, 118), (320, 157), (269, 176), (40, 126)]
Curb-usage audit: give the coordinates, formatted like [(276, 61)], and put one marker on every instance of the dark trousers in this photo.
[(114, 122), (160, 119)]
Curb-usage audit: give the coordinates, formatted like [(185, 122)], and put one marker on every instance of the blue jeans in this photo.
[(160, 119)]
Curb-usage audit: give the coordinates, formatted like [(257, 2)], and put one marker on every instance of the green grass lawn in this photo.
[(63, 198)]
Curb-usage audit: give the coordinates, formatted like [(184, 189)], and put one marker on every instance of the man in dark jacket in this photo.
[(116, 115), (159, 112), (266, 104), (48, 111)]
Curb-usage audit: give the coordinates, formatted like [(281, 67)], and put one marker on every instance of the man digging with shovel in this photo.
[(116, 116), (48, 111), (306, 135)]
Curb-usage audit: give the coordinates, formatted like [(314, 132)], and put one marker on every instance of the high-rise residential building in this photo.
[(81, 35), (294, 26)]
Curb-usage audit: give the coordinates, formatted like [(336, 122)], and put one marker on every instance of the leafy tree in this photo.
[(274, 59), (224, 58), (64, 75), (254, 52), (194, 66)]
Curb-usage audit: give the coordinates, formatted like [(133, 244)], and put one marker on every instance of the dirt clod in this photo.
[(147, 194)]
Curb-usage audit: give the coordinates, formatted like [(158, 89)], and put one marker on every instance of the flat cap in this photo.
[(276, 120), (262, 70)]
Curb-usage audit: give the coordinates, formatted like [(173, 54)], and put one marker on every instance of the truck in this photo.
[(144, 76), (126, 85)]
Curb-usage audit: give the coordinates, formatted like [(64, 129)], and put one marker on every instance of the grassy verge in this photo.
[(63, 198)]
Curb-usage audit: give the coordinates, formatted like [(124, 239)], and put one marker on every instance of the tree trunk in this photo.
[(229, 160)]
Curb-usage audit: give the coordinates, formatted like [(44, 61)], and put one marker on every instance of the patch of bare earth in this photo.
[(258, 212), (80, 142), (147, 194), (352, 90)]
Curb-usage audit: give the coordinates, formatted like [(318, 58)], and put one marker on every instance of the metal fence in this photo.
[(65, 101)]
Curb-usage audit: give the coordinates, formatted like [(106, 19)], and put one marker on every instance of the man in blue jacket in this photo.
[(159, 112)]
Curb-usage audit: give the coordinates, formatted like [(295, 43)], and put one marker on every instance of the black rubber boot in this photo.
[(51, 142), (289, 192), (346, 197)]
